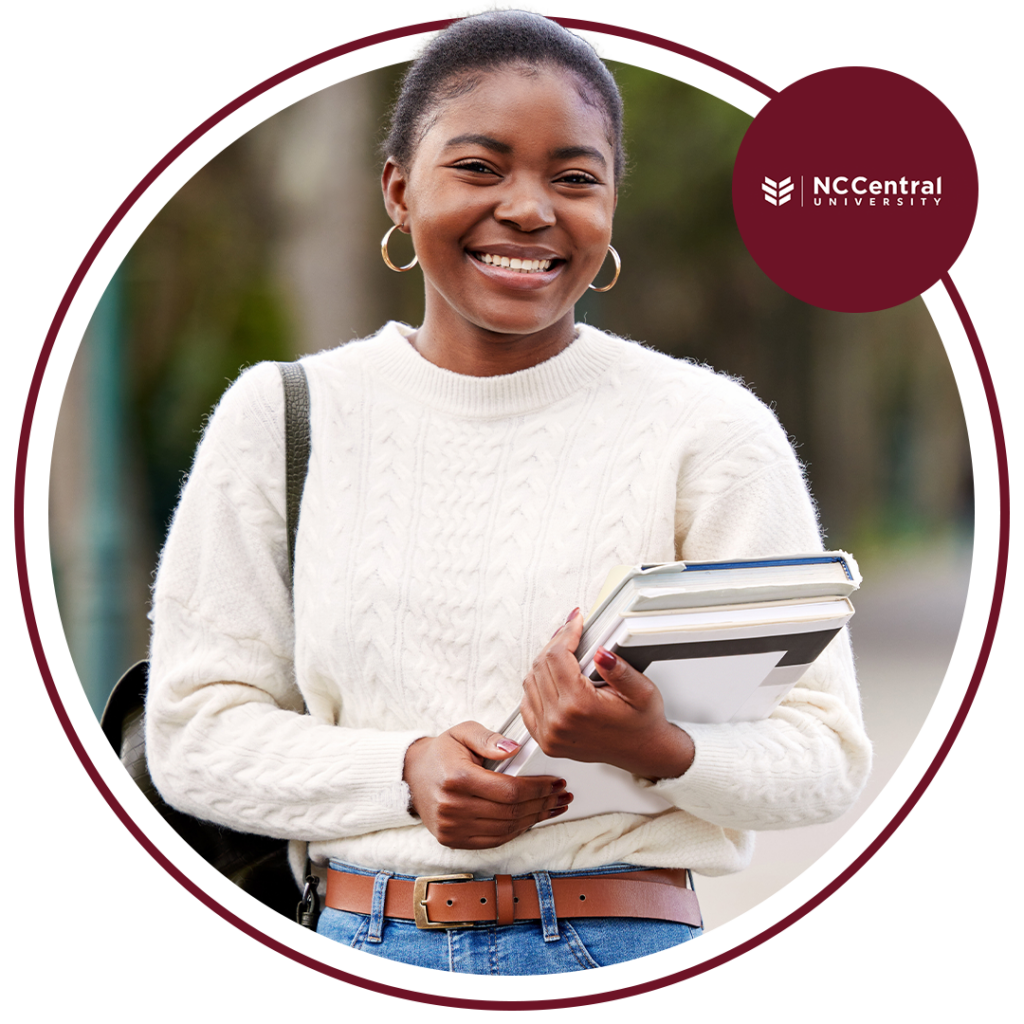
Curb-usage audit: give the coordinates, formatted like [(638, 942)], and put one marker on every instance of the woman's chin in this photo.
[(511, 316)]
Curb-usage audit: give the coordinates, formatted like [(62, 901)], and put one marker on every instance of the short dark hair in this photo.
[(485, 42)]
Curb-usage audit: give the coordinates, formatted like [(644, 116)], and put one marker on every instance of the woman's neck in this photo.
[(456, 345)]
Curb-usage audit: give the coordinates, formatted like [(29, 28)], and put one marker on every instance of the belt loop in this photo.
[(546, 901), (505, 898), (380, 890), (693, 889)]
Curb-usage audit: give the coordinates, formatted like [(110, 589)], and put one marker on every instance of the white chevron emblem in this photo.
[(778, 192)]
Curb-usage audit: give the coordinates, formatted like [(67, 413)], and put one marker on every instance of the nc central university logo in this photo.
[(854, 189), (858, 190)]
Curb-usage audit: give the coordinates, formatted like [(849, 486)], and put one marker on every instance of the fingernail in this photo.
[(572, 615), (557, 811), (557, 786), (507, 745), (605, 659), (564, 800)]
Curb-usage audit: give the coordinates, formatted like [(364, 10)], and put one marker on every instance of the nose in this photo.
[(525, 203)]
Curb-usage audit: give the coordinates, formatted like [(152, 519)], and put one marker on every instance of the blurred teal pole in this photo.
[(104, 611)]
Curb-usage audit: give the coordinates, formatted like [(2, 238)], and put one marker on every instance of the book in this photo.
[(723, 641)]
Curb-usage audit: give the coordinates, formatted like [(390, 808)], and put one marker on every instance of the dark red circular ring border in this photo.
[(518, 1004)]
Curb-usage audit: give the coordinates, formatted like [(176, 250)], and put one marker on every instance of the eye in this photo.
[(576, 178), (474, 166)]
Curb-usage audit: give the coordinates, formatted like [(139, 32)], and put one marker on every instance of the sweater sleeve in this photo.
[(226, 733), (809, 760)]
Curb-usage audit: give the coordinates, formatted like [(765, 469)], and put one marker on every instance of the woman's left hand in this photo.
[(622, 724)]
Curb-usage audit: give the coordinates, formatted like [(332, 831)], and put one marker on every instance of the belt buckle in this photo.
[(419, 901)]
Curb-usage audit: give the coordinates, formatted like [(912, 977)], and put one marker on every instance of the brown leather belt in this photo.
[(460, 901)]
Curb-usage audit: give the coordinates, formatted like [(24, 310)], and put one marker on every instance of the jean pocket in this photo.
[(341, 926), (577, 946), (600, 942)]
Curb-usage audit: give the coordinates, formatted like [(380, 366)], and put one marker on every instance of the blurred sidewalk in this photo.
[(906, 623)]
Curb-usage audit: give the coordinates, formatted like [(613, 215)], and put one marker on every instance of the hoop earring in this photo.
[(387, 259), (618, 269)]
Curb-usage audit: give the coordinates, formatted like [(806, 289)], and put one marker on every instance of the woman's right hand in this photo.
[(464, 805)]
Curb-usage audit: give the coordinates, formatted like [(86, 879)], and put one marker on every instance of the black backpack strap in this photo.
[(296, 446)]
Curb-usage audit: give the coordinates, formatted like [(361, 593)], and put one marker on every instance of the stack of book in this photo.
[(722, 641)]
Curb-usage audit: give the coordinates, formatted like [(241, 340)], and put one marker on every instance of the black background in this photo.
[(104, 100)]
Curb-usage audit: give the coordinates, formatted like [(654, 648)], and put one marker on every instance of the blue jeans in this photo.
[(547, 946)]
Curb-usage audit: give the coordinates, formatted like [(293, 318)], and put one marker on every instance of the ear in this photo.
[(393, 182)]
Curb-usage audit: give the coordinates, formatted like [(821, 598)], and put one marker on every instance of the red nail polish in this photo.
[(605, 659), (572, 615), (557, 786)]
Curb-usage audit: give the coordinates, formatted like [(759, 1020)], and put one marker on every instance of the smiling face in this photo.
[(519, 168)]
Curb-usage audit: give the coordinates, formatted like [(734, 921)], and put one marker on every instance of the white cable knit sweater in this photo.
[(448, 525)]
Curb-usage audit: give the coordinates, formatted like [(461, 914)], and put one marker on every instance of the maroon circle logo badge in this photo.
[(855, 189)]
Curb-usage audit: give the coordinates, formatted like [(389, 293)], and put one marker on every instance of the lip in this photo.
[(518, 252), (516, 279)]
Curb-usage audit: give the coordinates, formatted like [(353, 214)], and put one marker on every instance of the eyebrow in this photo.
[(563, 153), (479, 140), (569, 152)]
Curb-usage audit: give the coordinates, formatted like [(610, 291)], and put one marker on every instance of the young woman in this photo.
[(471, 481)]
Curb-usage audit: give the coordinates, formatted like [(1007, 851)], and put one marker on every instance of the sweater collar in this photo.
[(537, 387)]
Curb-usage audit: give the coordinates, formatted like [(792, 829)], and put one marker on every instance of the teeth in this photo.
[(513, 263)]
